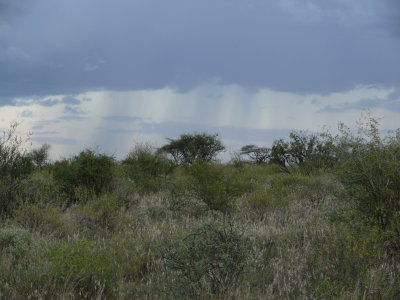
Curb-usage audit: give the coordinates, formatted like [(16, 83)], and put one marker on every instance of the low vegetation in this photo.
[(315, 216)]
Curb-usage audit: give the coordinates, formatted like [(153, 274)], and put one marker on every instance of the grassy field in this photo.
[(239, 230)]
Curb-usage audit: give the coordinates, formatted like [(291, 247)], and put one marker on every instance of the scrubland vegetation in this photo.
[(316, 216)]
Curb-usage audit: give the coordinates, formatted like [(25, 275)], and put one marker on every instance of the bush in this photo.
[(40, 156), (216, 187), (279, 189), (39, 187), (100, 212), (87, 270), (147, 168), (308, 152), (208, 261), (370, 170), (14, 241), (15, 165), (194, 147), (42, 218), (14, 161), (88, 170), (341, 259)]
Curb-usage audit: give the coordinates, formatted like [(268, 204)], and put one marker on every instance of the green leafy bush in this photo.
[(99, 212), (307, 152), (147, 168), (15, 164), (370, 170), (208, 261), (278, 191), (84, 267), (264, 199), (43, 218), (215, 186), (14, 241), (39, 187), (88, 170), (40, 156), (343, 257)]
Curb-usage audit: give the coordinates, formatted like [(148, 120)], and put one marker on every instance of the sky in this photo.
[(109, 74)]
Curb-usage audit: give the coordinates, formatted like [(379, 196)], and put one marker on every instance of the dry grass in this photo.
[(294, 249)]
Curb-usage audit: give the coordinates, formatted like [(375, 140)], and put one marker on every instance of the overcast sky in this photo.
[(87, 73)]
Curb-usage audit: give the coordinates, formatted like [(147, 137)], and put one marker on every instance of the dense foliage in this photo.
[(316, 216), (189, 148), (88, 170)]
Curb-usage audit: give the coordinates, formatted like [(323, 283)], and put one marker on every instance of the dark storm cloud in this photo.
[(68, 47)]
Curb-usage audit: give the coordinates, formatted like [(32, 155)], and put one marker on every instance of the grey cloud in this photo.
[(122, 118), (72, 117), (26, 114), (54, 140), (66, 100), (73, 110), (71, 100), (41, 133), (392, 105), (115, 130), (39, 125), (49, 102), (147, 44)]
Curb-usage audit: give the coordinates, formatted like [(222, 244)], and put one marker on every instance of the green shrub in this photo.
[(391, 235), (370, 170), (341, 259), (15, 164), (208, 261), (14, 161), (88, 170), (100, 212), (40, 156), (43, 218), (147, 168), (276, 191), (83, 267), (318, 188), (216, 187), (264, 199), (134, 253), (39, 187), (14, 241), (307, 152)]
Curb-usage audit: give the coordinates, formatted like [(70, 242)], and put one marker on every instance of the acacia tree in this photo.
[(305, 151), (189, 148), (256, 154)]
